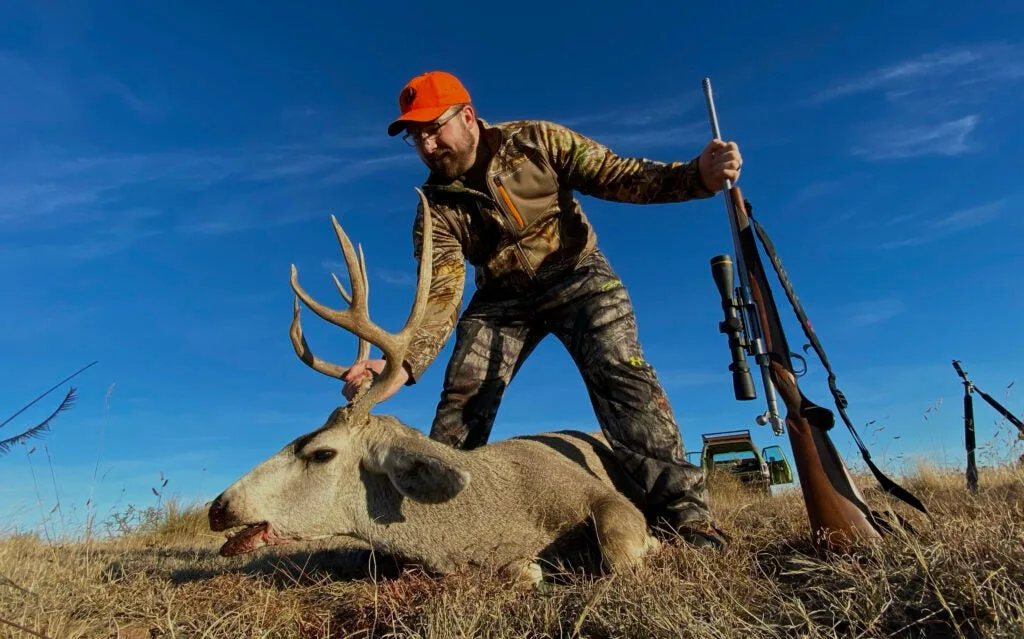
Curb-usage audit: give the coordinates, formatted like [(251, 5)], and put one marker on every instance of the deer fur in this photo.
[(502, 506)]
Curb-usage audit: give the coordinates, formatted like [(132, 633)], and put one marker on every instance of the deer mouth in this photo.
[(250, 538)]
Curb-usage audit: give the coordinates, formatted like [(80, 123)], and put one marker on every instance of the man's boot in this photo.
[(678, 523)]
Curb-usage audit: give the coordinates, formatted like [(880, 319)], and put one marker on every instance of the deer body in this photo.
[(500, 506)]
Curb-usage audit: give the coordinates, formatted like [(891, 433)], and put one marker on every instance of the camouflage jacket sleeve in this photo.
[(593, 169), (445, 300)]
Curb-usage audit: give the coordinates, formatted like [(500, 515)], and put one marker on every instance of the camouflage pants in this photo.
[(589, 311)]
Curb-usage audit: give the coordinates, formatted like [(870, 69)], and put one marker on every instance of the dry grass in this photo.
[(960, 578)]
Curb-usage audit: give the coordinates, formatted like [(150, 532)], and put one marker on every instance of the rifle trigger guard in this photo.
[(801, 358)]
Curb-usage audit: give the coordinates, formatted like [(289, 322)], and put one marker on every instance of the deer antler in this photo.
[(356, 318), (299, 340)]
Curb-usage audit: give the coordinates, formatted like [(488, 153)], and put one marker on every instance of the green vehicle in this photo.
[(734, 452)]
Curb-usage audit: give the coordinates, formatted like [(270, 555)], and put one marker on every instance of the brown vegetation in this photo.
[(960, 578)]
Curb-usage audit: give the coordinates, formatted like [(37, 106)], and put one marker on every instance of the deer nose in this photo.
[(218, 513)]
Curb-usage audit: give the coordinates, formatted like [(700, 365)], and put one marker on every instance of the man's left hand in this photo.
[(719, 161)]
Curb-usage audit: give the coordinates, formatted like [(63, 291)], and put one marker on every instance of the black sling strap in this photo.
[(887, 484)]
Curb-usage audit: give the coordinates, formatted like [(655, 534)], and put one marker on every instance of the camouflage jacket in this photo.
[(529, 224)]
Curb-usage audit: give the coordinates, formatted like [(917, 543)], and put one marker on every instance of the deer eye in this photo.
[(323, 455)]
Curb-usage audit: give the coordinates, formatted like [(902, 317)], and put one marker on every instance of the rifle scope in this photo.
[(734, 329)]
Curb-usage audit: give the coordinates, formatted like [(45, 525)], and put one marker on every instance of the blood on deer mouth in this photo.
[(250, 538)]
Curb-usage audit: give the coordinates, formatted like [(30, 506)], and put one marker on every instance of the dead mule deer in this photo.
[(500, 506)]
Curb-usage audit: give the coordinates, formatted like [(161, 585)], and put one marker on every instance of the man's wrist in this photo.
[(701, 182)]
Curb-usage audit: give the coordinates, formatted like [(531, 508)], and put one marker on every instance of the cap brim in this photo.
[(416, 115)]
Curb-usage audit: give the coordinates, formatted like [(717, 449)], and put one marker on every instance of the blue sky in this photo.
[(163, 167)]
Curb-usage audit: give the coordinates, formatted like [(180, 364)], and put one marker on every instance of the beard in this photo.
[(448, 162), (454, 160)]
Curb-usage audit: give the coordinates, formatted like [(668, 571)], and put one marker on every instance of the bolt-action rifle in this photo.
[(969, 388), (837, 511)]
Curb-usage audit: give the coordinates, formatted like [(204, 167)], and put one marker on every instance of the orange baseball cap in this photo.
[(426, 97)]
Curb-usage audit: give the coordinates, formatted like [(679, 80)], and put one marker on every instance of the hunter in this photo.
[(502, 199)]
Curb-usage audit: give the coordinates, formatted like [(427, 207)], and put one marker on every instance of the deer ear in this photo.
[(421, 477)]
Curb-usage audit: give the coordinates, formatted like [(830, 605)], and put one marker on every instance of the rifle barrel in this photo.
[(713, 116), (753, 322)]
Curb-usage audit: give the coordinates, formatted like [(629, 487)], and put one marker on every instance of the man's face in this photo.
[(447, 145)]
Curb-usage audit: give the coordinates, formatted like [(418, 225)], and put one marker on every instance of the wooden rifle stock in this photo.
[(838, 515)]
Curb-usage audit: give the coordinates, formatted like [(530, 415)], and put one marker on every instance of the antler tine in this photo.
[(419, 305), (396, 345), (356, 318), (356, 273), (349, 318), (363, 352), (303, 351)]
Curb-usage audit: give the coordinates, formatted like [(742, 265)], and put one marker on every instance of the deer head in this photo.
[(331, 481)]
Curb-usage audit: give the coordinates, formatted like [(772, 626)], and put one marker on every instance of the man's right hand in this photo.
[(361, 371), (719, 161)]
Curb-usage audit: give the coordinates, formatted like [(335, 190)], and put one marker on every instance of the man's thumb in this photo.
[(354, 371)]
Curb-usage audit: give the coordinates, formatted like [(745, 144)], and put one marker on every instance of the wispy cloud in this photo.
[(63, 200), (335, 267), (811, 196), (687, 135), (42, 318), (933, 103), (664, 123), (636, 116), (898, 141), (971, 217), (36, 92), (116, 233), (391, 277), (364, 166), (141, 103), (951, 223), (105, 243), (953, 73), (902, 73), (95, 203), (395, 277), (31, 94), (871, 312)]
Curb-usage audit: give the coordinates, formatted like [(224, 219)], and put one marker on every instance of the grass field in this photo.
[(163, 578)]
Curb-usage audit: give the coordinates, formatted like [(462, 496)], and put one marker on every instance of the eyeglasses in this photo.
[(412, 138)]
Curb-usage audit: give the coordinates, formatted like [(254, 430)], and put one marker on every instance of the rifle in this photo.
[(837, 511), (969, 388)]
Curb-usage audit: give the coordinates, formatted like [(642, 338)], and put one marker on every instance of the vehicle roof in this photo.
[(731, 447), (729, 441)]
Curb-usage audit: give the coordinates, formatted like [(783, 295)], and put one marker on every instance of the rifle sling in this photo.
[(887, 484)]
